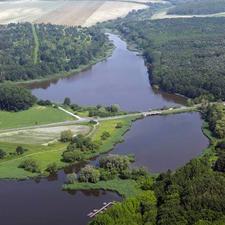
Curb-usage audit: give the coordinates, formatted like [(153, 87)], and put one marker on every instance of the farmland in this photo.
[(85, 13)]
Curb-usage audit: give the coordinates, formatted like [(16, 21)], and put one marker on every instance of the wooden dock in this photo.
[(95, 212)]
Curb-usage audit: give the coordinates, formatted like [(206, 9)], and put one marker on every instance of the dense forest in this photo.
[(192, 195), (34, 51), (198, 7), (14, 98), (185, 56)]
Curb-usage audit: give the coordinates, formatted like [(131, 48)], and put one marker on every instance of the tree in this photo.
[(89, 174), (67, 101), (66, 136), (20, 150), (72, 156), (2, 154), (30, 165), (14, 98)]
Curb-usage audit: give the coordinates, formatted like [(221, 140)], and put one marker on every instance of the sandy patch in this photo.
[(41, 135)]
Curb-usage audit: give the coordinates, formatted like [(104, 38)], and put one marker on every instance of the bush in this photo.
[(72, 156), (139, 172), (20, 150), (66, 136), (44, 102), (30, 165), (105, 135), (71, 178), (114, 163), (82, 143), (119, 125), (89, 174), (220, 163), (106, 175), (52, 168), (2, 154)]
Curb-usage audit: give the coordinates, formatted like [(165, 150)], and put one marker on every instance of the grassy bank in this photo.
[(116, 135), (36, 115), (126, 188)]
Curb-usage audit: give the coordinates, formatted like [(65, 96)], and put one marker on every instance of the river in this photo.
[(159, 143)]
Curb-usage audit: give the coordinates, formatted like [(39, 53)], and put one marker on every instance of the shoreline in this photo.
[(109, 51)]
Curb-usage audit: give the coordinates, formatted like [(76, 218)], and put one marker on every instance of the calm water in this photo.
[(121, 79), (164, 142), (44, 203), (159, 143)]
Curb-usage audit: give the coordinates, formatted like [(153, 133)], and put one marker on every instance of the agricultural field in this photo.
[(84, 13)]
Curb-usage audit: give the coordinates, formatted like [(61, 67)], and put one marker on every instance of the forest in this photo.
[(185, 56), (198, 7), (35, 51)]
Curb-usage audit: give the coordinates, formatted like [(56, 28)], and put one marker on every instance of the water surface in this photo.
[(122, 79)]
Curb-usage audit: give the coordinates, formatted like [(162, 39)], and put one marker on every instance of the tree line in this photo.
[(185, 56)]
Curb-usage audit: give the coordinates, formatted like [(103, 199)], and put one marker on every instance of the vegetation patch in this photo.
[(30, 52)]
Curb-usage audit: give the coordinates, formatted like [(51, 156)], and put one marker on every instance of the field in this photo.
[(163, 15), (36, 115), (42, 135), (85, 13)]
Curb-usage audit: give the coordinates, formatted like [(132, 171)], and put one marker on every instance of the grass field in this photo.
[(36, 115), (43, 154), (126, 188), (116, 135)]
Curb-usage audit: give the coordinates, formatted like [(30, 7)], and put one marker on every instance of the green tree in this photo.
[(66, 136)]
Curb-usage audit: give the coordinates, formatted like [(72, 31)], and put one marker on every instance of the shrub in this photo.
[(89, 174), (52, 168), (30, 165), (119, 125), (66, 136), (72, 156), (114, 162), (71, 178), (20, 150), (105, 135), (2, 154), (106, 175)]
